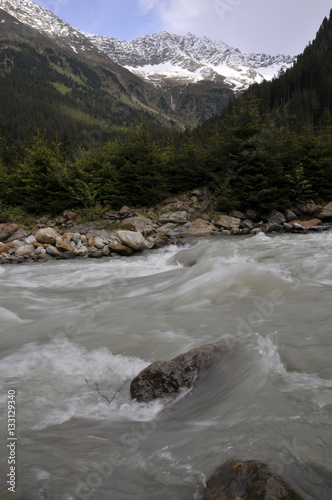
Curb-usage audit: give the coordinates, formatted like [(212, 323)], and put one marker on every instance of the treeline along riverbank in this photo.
[(246, 164)]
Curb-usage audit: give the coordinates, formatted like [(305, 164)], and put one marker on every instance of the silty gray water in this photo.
[(74, 334)]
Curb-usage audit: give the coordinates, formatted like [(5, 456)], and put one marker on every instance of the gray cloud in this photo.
[(272, 26)]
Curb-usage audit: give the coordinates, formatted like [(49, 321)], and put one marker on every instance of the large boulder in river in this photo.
[(47, 235), (164, 379), (251, 480)]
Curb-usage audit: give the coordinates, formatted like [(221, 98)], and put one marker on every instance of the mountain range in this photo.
[(165, 58), (180, 80)]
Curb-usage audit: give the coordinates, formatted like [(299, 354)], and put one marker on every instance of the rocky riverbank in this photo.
[(109, 233)]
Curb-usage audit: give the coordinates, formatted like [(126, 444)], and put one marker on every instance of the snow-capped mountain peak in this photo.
[(34, 15), (43, 20), (189, 58), (160, 57)]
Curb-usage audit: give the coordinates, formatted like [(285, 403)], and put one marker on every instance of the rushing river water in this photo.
[(74, 334)]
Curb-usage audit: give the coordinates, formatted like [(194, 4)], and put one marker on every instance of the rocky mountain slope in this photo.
[(85, 94), (194, 77), (161, 57), (164, 57)]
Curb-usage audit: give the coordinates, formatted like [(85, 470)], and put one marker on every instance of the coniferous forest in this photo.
[(271, 147)]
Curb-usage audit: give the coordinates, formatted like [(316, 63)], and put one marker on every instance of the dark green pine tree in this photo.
[(41, 179), (141, 169)]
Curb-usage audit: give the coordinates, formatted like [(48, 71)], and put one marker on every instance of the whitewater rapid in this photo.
[(74, 334)]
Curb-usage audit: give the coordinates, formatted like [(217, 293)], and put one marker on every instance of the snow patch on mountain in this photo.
[(163, 56), (160, 57), (43, 20)]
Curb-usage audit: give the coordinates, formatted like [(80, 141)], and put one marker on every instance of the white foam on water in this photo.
[(41, 474), (70, 274), (59, 380), (172, 336), (10, 316), (179, 472), (64, 380), (218, 280), (295, 381)]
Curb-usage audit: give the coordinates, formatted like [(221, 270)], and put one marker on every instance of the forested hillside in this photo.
[(78, 89), (88, 97), (273, 145)]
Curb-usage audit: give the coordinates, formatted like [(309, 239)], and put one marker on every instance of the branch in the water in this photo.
[(102, 395)]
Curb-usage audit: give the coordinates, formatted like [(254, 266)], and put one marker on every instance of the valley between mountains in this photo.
[(184, 78)]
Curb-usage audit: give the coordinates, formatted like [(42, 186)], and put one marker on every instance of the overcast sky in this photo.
[(270, 26)]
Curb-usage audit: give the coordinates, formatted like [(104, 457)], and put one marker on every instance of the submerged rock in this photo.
[(164, 379), (186, 258), (251, 480)]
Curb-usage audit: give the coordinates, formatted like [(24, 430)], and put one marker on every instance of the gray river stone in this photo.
[(6, 230), (175, 217), (133, 240)]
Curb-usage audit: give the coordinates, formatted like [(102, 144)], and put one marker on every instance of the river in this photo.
[(74, 334)]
